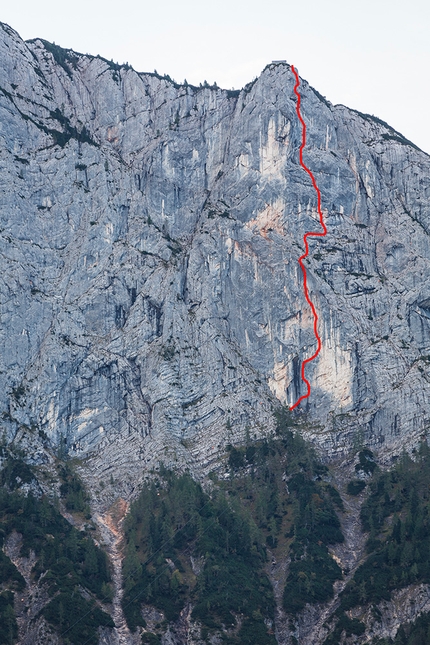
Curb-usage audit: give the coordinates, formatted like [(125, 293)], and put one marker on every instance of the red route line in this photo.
[(305, 240)]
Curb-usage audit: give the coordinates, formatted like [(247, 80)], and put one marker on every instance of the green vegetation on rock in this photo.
[(413, 633), (186, 545), (72, 569), (175, 520), (355, 486), (397, 517), (8, 624), (72, 490), (75, 618), (345, 626)]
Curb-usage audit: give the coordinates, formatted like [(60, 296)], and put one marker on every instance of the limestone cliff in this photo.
[(151, 300)]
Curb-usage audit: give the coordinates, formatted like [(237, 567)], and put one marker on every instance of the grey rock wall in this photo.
[(151, 300)]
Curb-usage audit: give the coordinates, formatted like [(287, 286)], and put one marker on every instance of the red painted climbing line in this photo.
[(305, 240)]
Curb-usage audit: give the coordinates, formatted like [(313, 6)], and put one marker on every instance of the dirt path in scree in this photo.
[(350, 554), (110, 527)]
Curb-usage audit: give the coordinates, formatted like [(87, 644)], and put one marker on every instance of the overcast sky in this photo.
[(372, 55)]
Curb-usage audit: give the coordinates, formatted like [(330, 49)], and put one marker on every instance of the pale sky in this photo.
[(371, 55)]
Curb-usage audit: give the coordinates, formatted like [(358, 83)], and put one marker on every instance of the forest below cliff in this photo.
[(209, 549)]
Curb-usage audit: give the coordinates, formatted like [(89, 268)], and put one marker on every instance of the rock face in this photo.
[(151, 300)]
